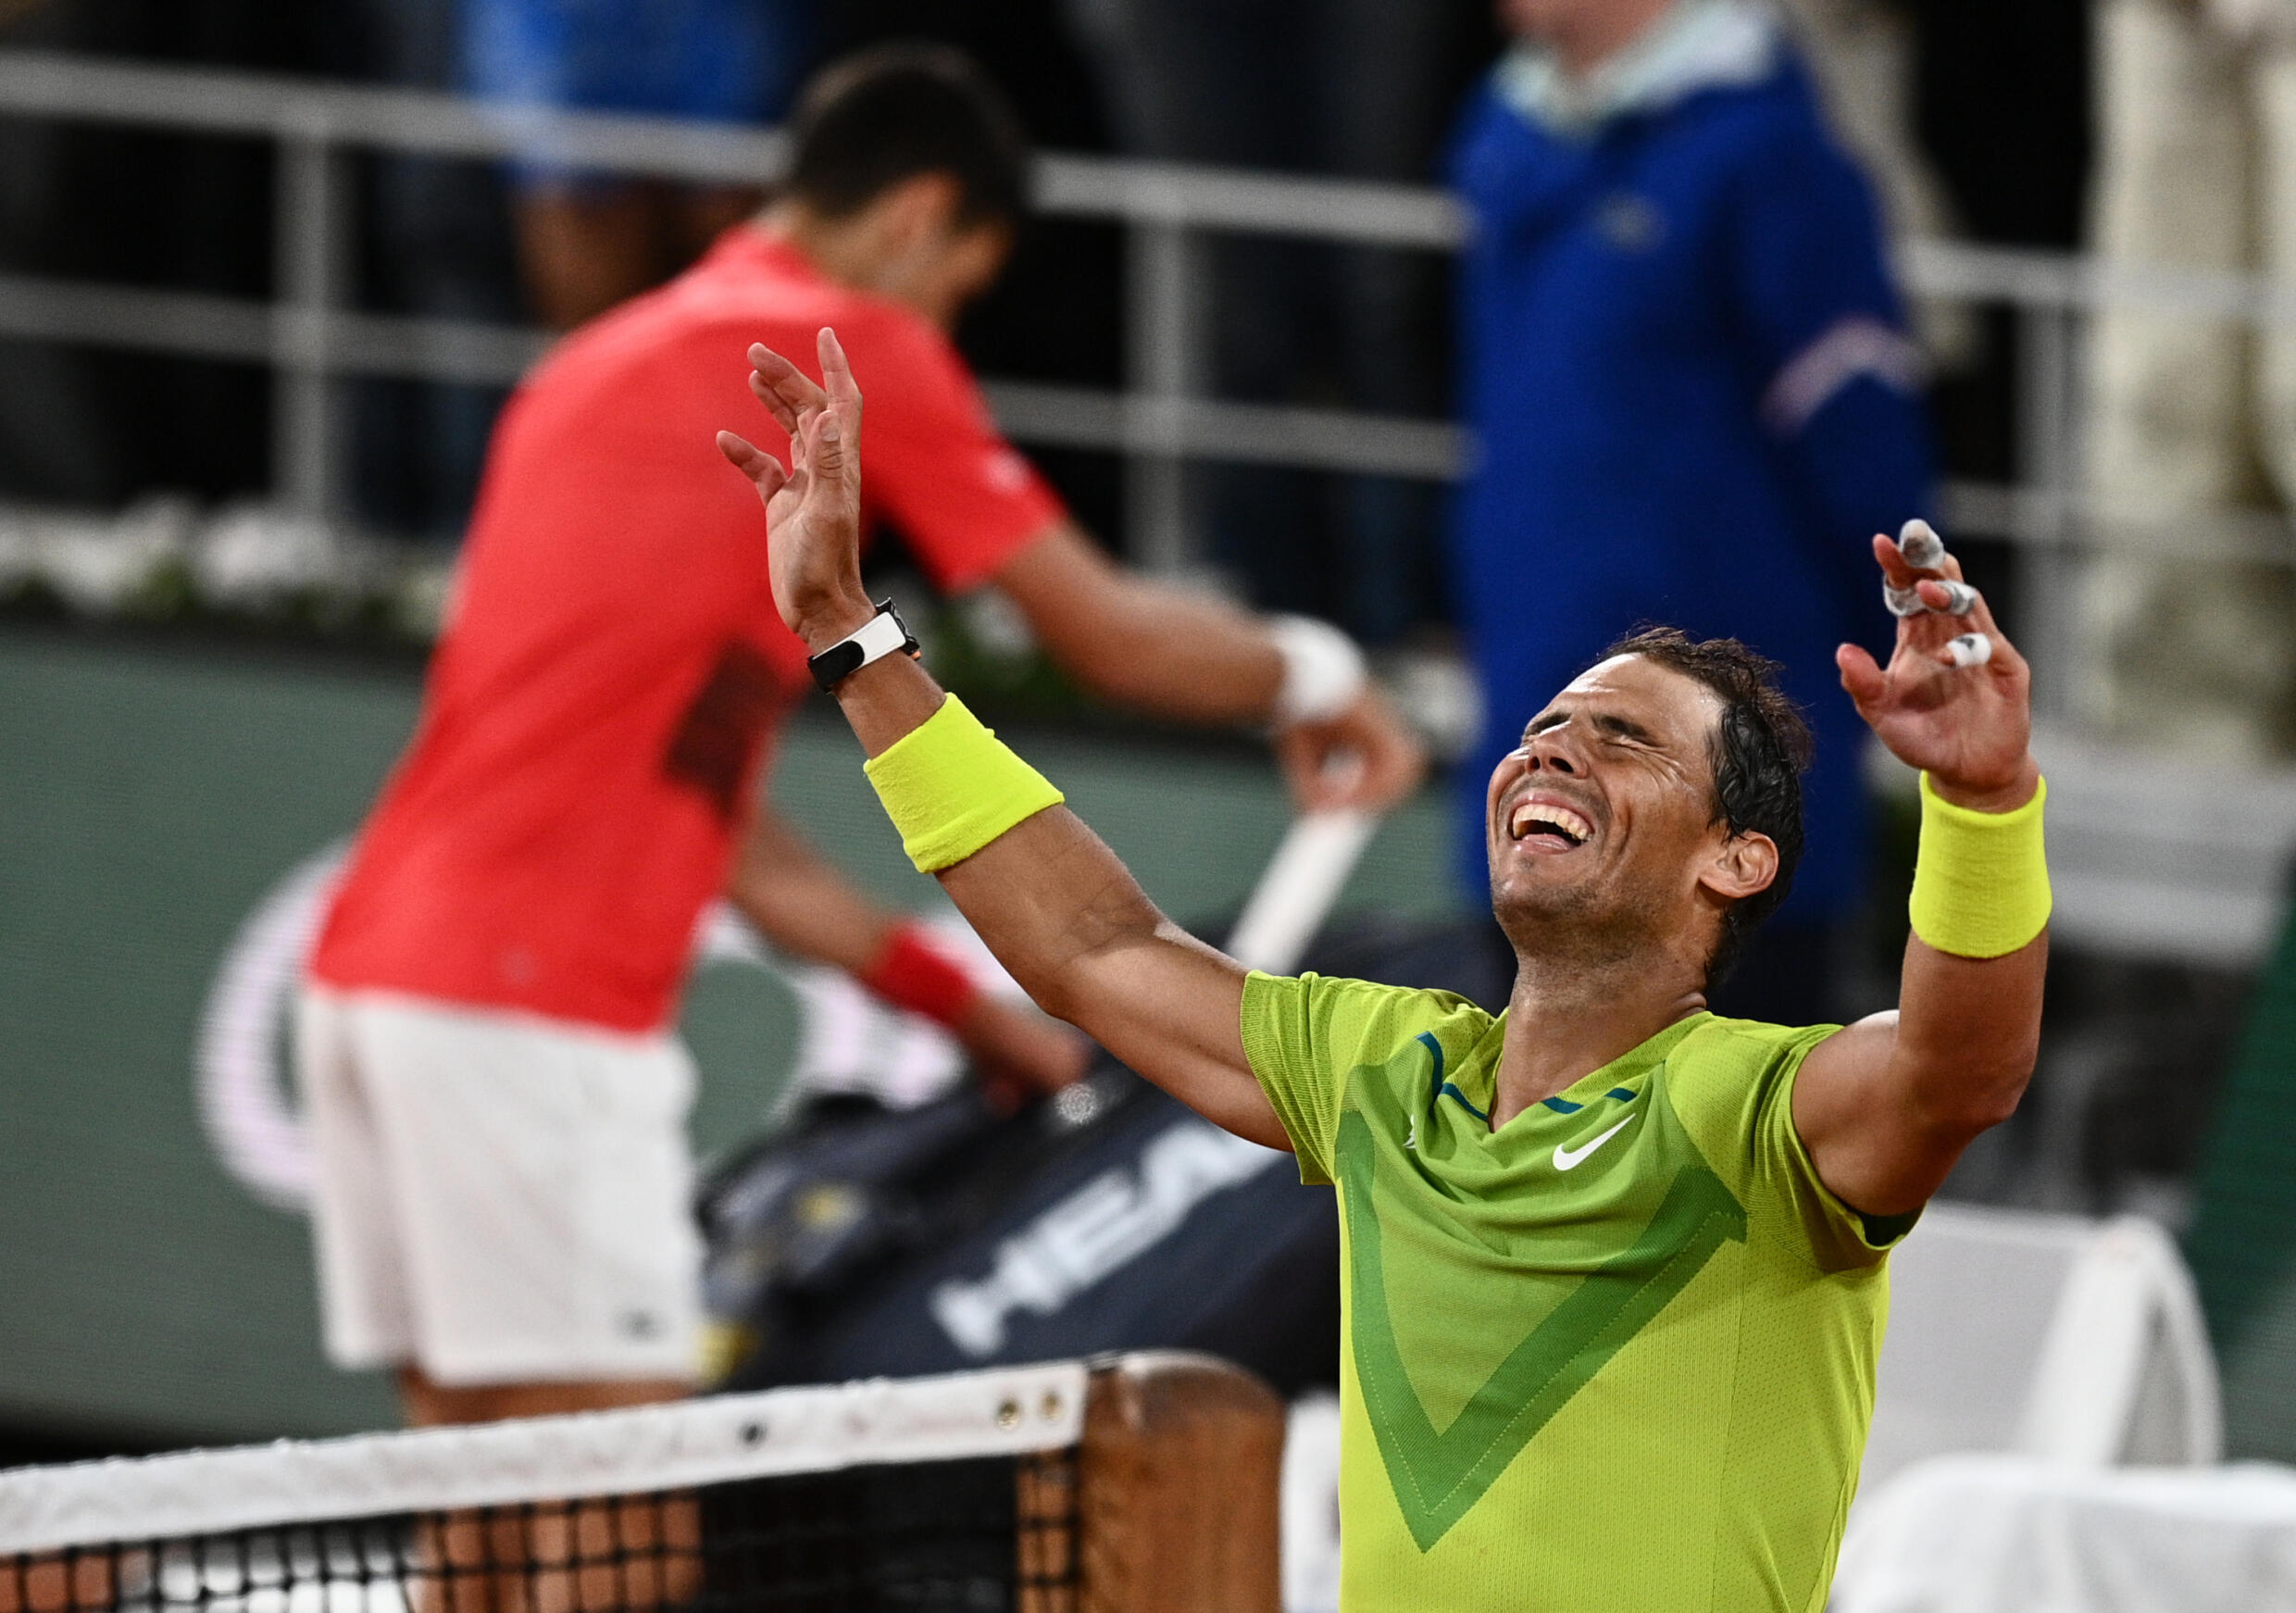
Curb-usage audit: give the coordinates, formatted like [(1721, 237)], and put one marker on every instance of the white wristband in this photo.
[(1323, 670)]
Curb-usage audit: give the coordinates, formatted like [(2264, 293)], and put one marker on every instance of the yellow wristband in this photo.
[(951, 786), (1982, 878)]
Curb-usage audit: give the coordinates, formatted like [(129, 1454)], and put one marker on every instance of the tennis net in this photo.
[(1050, 1489)]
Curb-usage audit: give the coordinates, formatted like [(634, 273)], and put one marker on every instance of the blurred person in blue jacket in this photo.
[(1694, 394), (587, 240)]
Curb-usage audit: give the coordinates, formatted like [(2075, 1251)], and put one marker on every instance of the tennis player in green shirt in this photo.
[(1614, 1268)]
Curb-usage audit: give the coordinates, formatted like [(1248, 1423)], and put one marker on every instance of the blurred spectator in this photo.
[(1861, 55), (53, 444), (1696, 403), (98, 201), (2198, 113), (1353, 88), (589, 241)]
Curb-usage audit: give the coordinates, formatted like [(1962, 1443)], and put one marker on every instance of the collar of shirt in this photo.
[(1695, 44)]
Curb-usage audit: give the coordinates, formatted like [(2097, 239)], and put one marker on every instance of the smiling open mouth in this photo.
[(1560, 825)]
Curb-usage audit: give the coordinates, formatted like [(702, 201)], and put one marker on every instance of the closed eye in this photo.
[(1608, 724)]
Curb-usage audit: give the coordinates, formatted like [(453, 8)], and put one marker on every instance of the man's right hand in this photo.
[(813, 509), (1366, 758), (1062, 915)]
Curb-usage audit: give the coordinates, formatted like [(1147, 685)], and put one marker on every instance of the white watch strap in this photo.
[(877, 637)]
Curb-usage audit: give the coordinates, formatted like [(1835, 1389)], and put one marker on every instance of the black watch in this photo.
[(873, 640)]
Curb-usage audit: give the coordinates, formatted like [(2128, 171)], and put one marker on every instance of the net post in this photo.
[(1180, 1466)]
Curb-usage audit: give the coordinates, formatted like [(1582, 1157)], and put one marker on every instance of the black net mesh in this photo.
[(980, 1534)]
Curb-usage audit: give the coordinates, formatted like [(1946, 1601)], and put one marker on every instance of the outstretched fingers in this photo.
[(788, 393), (1941, 619), (843, 392), (832, 437), (762, 470)]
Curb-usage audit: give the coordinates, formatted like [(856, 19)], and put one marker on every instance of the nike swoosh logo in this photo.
[(1571, 1158)]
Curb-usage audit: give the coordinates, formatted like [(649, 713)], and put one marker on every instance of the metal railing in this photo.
[(1160, 424), (311, 338)]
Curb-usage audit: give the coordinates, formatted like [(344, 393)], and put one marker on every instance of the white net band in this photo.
[(716, 1440)]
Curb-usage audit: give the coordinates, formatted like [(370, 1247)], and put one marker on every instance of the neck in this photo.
[(862, 251), (1567, 1019), (1596, 34)]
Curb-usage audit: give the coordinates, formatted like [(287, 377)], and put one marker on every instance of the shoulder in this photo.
[(1726, 1072), (1718, 1049), (1773, 132), (910, 370), (1341, 1023), (1494, 150)]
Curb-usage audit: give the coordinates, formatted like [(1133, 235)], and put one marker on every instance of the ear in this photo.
[(923, 206), (1740, 866)]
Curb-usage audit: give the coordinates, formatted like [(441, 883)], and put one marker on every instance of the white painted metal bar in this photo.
[(1164, 363), (53, 84), (311, 244), (2049, 452)]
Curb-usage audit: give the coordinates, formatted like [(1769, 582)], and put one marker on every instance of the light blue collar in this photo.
[(1695, 46)]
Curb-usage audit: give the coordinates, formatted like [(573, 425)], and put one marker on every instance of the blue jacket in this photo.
[(1684, 363)]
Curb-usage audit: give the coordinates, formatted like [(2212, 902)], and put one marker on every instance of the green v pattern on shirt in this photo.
[(1438, 1476)]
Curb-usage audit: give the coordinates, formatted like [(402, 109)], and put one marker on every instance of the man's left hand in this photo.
[(1968, 727)]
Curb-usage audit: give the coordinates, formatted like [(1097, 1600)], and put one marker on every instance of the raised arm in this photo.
[(1182, 655), (1052, 902), (1886, 1106)]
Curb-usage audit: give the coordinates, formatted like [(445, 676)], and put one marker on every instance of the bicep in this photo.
[(1885, 1107), (1172, 1010), (1861, 1134), (1067, 918)]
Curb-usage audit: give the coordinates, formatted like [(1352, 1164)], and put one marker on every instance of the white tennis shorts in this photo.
[(498, 1197)]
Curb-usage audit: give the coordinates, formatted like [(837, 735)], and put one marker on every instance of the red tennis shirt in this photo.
[(613, 667)]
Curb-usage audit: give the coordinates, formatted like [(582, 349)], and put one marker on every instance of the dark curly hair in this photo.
[(1758, 751)]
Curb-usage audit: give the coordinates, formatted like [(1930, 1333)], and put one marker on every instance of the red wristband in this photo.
[(912, 973)]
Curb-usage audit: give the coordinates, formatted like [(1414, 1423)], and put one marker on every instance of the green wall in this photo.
[(150, 797)]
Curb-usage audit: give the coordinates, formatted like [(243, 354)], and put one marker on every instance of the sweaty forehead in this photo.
[(1671, 705)]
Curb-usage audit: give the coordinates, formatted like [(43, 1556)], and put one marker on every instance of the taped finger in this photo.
[(1970, 649), (1903, 601), (1918, 541), (1961, 599)]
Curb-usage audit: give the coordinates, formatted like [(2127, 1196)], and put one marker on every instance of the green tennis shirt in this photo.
[(1616, 1354)]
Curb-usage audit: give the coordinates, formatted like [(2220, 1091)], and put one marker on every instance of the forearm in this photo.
[(1969, 1030), (1886, 1106), (1179, 656), (800, 904), (1969, 1026), (1046, 895), (1152, 647)]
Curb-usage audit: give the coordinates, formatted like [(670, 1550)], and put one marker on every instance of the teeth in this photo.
[(1531, 814)]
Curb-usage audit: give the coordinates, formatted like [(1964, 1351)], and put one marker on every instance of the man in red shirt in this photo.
[(485, 1040)]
